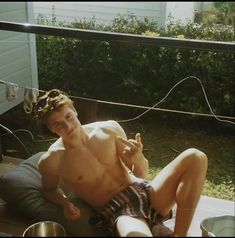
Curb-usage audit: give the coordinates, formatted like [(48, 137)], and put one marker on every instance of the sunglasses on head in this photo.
[(45, 99)]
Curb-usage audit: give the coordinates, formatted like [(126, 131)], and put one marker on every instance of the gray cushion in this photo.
[(21, 189)]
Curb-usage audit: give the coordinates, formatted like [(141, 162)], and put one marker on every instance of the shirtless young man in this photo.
[(95, 161)]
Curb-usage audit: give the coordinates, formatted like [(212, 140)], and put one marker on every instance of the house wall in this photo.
[(184, 11), (180, 11), (104, 12), (18, 62), (201, 6)]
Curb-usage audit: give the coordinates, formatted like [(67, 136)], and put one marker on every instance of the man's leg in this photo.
[(181, 181), (128, 226)]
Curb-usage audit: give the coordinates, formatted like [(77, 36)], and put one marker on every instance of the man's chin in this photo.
[(72, 132)]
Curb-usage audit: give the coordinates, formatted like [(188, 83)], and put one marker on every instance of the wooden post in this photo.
[(87, 110)]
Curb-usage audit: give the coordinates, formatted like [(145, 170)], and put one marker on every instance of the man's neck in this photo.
[(76, 141)]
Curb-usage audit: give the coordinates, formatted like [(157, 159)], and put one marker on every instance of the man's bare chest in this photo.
[(85, 164)]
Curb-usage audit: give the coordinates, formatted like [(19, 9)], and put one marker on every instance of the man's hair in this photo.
[(50, 102)]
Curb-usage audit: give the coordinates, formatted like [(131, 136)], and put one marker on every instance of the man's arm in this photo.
[(131, 152), (51, 191)]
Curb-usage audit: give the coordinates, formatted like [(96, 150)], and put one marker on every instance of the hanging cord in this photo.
[(8, 130), (153, 107), (121, 104), (181, 81), (31, 135)]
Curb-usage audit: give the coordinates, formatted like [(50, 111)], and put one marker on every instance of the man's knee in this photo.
[(197, 154), (132, 227), (198, 159), (138, 234)]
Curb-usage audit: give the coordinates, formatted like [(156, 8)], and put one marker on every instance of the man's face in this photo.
[(63, 122)]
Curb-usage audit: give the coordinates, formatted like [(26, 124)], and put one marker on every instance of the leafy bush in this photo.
[(137, 73), (222, 13)]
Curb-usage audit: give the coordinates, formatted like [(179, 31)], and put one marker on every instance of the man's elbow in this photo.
[(48, 192)]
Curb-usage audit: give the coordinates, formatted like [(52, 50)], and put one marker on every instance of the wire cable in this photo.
[(31, 135), (154, 106), (8, 130), (120, 121), (181, 81)]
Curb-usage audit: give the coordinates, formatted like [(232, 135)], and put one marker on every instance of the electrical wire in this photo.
[(168, 93), (120, 121), (154, 106), (8, 130), (31, 135)]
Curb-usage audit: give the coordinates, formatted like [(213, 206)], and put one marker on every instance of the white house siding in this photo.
[(185, 11), (201, 6), (180, 11), (104, 12), (17, 53)]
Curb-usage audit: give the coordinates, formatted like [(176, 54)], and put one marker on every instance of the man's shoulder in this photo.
[(57, 145), (50, 159), (109, 127), (109, 124)]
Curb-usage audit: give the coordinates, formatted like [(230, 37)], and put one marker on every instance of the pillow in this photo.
[(21, 188)]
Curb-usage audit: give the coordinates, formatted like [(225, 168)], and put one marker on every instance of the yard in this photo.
[(164, 141), (164, 136)]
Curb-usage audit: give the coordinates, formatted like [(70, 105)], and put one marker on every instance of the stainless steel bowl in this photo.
[(219, 226), (45, 229)]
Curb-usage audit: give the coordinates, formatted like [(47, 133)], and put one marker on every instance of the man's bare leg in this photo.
[(128, 226), (180, 182)]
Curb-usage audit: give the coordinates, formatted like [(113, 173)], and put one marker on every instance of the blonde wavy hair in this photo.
[(50, 102)]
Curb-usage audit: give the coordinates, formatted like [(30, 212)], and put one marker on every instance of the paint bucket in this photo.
[(45, 229), (218, 226)]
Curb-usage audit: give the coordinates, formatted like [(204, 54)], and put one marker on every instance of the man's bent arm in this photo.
[(50, 181), (52, 192), (56, 195), (140, 166), (136, 162)]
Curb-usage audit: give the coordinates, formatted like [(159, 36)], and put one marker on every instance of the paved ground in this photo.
[(207, 207), (210, 207)]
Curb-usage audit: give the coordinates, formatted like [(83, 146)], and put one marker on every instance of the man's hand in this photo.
[(71, 212), (132, 149)]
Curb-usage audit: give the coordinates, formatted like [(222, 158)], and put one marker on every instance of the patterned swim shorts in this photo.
[(132, 201)]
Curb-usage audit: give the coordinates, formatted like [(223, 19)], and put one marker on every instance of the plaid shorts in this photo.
[(132, 201)]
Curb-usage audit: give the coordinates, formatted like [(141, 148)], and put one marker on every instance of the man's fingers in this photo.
[(72, 213), (128, 152), (131, 143), (138, 137)]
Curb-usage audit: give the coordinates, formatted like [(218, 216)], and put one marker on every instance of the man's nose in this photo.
[(67, 125)]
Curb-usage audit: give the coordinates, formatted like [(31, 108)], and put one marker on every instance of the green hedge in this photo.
[(138, 73)]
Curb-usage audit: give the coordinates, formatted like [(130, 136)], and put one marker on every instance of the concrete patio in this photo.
[(207, 207)]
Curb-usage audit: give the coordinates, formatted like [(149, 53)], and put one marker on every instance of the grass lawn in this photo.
[(162, 143), (164, 137)]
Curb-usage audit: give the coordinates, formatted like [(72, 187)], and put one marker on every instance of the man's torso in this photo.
[(94, 172)]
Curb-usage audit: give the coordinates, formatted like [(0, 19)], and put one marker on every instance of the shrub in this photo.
[(137, 73)]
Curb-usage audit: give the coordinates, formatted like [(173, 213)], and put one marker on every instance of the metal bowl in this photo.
[(218, 226), (45, 229)]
